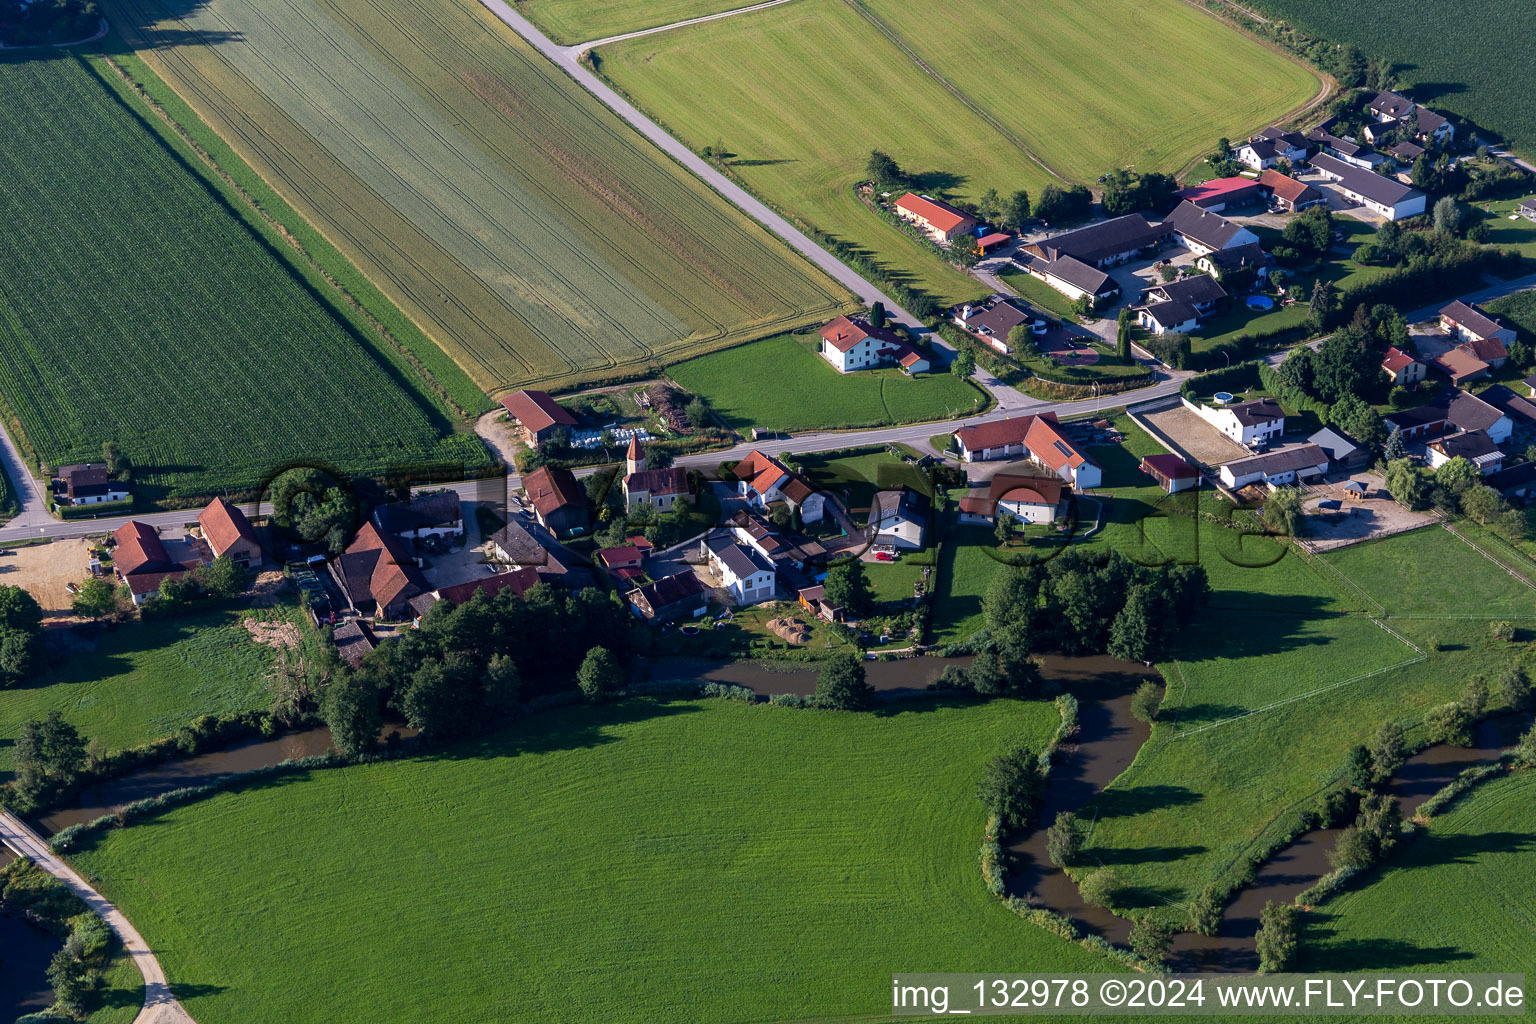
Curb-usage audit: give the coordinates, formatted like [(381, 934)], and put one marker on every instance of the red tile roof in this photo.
[(139, 550), (1033, 490), (1284, 186), (551, 489), (844, 333), (1168, 467), (224, 525), (1486, 349), (995, 434), (519, 581), (1050, 447), (672, 480), (1395, 360), (394, 573), (536, 411), (936, 212), (1215, 189), (615, 557), (760, 471)]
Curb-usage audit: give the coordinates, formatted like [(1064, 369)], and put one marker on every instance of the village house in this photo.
[(679, 596), (1405, 153), (1219, 194), (940, 221), (1474, 445), (850, 345), (1526, 209), (1401, 368), (1277, 468), (1386, 196), (1073, 262), (353, 640), (1179, 305), (1238, 258), (1449, 411), (87, 483), (557, 499), (659, 488), (1251, 424), (377, 575), (1345, 454), (1271, 146), (141, 561), (1037, 438), (518, 583), (512, 548), (745, 575), (1289, 194), (1470, 324), (899, 519), (1392, 110), (1461, 364), (764, 480), (993, 320), (227, 532), (1171, 472), (1344, 152), (540, 416), (1516, 481), (814, 600), (1029, 499), (1519, 410), (429, 514), (626, 556), (1201, 231)]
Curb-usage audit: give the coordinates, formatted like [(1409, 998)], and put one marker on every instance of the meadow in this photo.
[(1457, 899), (579, 21), (650, 860), (137, 305), (530, 233), (145, 680), (1029, 98), (806, 393), (1440, 53)]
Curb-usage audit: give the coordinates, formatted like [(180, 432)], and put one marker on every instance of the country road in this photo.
[(160, 1004)]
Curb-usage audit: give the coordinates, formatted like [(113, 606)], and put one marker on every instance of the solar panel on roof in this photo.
[(1061, 446)]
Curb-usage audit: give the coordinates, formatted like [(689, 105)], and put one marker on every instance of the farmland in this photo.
[(137, 305), (1441, 53), (806, 393), (1457, 899), (579, 21), (148, 679), (823, 847), (529, 233), (761, 85)]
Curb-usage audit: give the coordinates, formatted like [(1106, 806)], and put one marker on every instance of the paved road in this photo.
[(160, 1005), (581, 48), (34, 504)]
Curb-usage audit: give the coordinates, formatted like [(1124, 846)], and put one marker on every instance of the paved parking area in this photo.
[(1197, 437)]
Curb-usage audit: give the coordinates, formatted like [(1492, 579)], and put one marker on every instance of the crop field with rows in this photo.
[(137, 306), (529, 232), (1472, 59)]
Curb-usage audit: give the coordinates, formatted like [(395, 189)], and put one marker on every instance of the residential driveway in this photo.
[(460, 564)]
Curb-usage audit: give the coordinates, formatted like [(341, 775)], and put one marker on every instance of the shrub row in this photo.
[(1244, 346), (1461, 785), (1235, 379)]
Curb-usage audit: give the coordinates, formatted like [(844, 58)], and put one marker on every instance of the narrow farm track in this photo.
[(160, 1004), (581, 48)]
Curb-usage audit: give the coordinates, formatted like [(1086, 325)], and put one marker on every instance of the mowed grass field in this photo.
[(1457, 899), (802, 92), (147, 679), (645, 861), (137, 305), (527, 230), (783, 384), (580, 21)]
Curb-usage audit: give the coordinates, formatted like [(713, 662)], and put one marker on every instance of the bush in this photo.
[(1010, 784), (1101, 888), (1063, 842), (1276, 938), (728, 691), (1205, 909), (1145, 702), (1449, 723), (1150, 939)]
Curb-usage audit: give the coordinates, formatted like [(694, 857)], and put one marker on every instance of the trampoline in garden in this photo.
[(1260, 302)]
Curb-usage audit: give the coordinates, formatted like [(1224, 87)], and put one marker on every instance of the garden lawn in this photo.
[(141, 301), (1239, 320), (1039, 293), (1518, 234), (1458, 899), (145, 680), (855, 477), (1277, 680), (534, 236), (783, 384), (622, 847)]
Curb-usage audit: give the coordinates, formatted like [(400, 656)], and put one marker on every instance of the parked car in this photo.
[(884, 556)]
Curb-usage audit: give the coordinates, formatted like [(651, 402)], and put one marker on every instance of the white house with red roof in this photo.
[(942, 222), (1037, 438), (764, 480), (851, 345), (1402, 368)]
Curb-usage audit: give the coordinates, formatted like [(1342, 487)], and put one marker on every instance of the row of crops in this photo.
[(135, 305), (533, 235)]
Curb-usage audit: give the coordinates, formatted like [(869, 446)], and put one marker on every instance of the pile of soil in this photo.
[(280, 636), (793, 630)]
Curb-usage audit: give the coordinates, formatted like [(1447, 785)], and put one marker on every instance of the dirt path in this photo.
[(581, 48), (160, 1005)]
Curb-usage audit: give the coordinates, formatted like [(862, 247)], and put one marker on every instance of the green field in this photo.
[(580, 21), (1458, 899), (646, 861), (137, 304), (1440, 53), (1029, 93), (146, 679), (528, 231), (782, 384)]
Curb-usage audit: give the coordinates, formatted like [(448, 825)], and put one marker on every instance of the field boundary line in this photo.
[(954, 90), (1307, 559), (1469, 542), (580, 49)]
